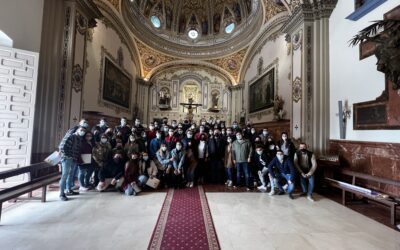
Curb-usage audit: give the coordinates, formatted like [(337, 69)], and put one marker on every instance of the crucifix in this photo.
[(190, 107)]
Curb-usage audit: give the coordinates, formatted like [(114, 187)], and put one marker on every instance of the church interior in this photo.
[(161, 124)]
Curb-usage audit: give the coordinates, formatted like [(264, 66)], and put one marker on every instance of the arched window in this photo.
[(155, 21)]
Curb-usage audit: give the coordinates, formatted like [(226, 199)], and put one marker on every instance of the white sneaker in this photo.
[(227, 182), (230, 184), (271, 193), (262, 188), (83, 189), (188, 184), (191, 184), (285, 187), (269, 184), (310, 198), (255, 184)]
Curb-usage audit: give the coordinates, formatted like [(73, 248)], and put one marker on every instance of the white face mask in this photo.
[(137, 123), (239, 137), (81, 133), (284, 138), (265, 133), (171, 133), (178, 147), (158, 136), (103, 140), (123, 123), (102, 123), (189, 136), (151, 127), (271, 147), (163, 148), (253, 132), (259, 152), (280, 157)]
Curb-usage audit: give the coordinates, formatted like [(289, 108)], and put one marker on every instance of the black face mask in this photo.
[(303, 151)]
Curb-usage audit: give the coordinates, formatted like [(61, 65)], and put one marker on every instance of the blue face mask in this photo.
[(145, 158), (280, 157)]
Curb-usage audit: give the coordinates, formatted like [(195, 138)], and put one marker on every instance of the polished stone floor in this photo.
[(242, 220)]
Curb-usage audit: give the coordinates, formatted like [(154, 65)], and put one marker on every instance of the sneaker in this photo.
[(70, 192), (272, 192), (262, 188), (269, 184), (303, 194), (63, 197), (188, 184), (291, 196), (248, 189), (255, 184), (281, 193), (310, 198), (84, 189), (227, 182), (285, 187), (230, 184), (74, 187), (191, 184)]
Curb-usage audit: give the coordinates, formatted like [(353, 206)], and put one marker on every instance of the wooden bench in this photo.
[(40, 175), (392, 202)]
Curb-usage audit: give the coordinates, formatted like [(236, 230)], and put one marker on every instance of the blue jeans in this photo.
[(73, 173), (242, 166), (85, 172), (129, 190), (143, 179), (303, 184), (228, 174), (285, 177), (66, 168)]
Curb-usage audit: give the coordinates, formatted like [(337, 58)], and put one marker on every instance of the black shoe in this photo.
[(303, 194), (70, 192), (291, 196), (63, 197), (280, 193)]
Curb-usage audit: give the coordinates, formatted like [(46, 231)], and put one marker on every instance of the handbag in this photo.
[(153, 182)]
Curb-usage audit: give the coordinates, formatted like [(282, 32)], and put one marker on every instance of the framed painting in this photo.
[(116, 84), (262, 92)]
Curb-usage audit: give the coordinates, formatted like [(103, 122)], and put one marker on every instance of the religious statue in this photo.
[(279, 113), (164, 98), (190, 107)]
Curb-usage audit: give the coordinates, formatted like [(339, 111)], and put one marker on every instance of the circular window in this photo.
[(193, 34), (155, 21), (229, 28)]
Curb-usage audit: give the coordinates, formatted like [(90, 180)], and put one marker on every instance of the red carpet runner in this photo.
[(185, 222)]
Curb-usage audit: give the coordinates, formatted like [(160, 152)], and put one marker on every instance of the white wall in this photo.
[(271, 50), (21, 20), (350, 78), (110, 40)]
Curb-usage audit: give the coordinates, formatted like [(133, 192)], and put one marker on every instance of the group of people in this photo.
[(128, 158)]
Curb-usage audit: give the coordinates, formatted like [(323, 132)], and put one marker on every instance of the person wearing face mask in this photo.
[(189, 141), (99, 129), (147, 169), (151, 133), (155, 145), (229, 134), (101, 154), (133, 146), (114, 169), (164, 160), (69, 148), (201, 131), (262, 160), (270, 147), (241, 153), (123, 130), (287, 146), (305, 163), (202, 157), (138, 127), (284, 172), (235, 127), (180, 135), (171, 139), (178, 154), (252, 135), (86, 168), (228, 162), (82, 123), (144, 142), (131, 175), (264, 136), (174, 125), (216, 151)]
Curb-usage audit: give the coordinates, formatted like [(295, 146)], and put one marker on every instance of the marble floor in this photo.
[(243, 221)]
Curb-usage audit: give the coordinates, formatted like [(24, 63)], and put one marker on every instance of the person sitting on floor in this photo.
[(131, 175), (147, 169), (114, 170), (285, 172)]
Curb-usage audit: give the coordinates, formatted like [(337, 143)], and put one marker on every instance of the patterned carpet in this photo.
[(185, 222)]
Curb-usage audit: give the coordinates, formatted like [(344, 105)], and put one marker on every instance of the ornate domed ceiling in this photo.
[(194, 28)]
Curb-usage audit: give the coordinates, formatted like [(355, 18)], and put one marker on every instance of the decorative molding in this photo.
[(115, 4), (82, 23), (120, 57), (297, 40), (297, 89), (271, 9), (77, 78)]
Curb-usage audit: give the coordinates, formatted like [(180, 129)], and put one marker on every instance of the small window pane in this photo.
[(229, 28), (155, 21)]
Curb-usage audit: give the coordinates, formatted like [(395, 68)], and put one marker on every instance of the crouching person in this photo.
[(285, 172), (147, 169), (262, 160), (114, 170), (305, 162), (131, 180)]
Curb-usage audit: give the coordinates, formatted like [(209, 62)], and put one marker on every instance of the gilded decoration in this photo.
[(151, 58), (272, 8), (114, 3), (232, 63), (77, 78)]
